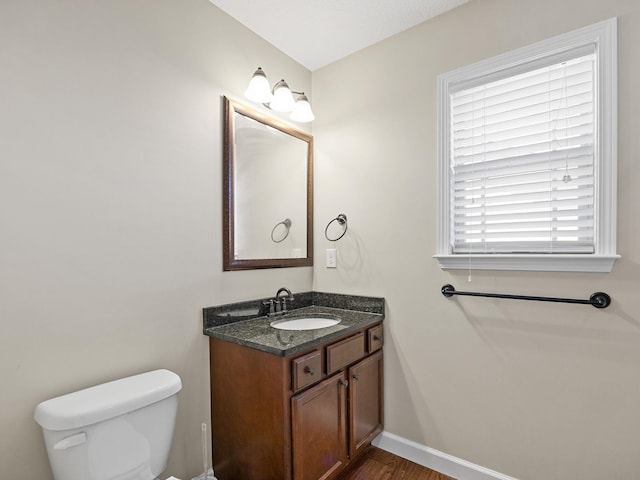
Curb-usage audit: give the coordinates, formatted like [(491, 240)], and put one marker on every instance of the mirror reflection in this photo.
[(268, 191)]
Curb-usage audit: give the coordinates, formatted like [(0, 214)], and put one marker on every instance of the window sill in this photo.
[(536, 263)]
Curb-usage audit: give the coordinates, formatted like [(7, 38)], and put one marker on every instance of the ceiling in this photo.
[(318, 32)]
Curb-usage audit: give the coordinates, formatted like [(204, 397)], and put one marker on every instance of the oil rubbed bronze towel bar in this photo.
[(598, 299)]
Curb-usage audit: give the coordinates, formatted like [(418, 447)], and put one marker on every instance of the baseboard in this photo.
[(435, 459)]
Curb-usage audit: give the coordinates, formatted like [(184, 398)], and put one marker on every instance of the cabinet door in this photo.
[(365, 398), (319, 423)]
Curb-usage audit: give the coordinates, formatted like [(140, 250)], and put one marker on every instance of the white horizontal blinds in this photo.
[(522, 161)]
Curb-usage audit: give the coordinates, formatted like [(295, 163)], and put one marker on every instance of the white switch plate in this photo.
[(332, 258)]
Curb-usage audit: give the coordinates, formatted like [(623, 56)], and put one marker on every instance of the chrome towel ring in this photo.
[(287, 224), (342, 220)]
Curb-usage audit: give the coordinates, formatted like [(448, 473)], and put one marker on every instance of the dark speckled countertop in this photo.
[(245, 323)]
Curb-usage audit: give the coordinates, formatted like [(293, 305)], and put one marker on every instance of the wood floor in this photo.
[(377, 464)]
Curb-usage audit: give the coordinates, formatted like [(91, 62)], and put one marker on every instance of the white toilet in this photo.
[(121, 430)]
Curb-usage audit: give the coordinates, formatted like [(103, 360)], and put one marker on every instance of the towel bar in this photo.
[(598, 299)]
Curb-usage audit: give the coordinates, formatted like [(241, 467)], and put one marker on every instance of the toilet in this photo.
[(121, 430)]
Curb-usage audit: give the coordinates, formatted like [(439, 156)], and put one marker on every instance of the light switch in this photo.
[(332, 258)]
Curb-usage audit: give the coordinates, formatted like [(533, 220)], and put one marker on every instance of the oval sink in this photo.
[(306, 322)]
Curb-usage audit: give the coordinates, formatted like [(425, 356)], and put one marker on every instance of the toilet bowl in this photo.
[(121, 430)]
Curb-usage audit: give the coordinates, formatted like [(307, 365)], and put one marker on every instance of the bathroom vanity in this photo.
[(289, 404)]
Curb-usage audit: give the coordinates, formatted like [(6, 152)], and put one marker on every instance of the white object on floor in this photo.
[(207, 473)]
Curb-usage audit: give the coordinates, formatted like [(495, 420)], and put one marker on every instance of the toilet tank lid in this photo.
[(107, 400)]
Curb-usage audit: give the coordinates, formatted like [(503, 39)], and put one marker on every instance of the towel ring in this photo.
[(342, 220), (287, 224)]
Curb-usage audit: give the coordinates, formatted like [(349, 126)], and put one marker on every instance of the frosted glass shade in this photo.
[(259, 89), (282, 98), (302, 110)]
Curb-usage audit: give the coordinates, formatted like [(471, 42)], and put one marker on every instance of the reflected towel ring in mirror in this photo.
[(287, 225), (342, 220)]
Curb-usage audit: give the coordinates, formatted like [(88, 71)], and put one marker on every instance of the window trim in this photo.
[(604, 36)]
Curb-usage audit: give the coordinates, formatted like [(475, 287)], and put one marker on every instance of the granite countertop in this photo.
[(244, 324)]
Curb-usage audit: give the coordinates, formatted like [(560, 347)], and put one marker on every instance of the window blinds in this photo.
[(522, 161)]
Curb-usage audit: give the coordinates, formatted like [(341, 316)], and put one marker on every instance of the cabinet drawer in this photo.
[(345, 352), (375, 338), (306, 370)]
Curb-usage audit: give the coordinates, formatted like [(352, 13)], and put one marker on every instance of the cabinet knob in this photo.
[(377, 337), (308, 370), (355, 377), (343, 383)]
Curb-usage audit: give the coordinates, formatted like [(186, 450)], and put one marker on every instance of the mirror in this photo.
[(268, 191)]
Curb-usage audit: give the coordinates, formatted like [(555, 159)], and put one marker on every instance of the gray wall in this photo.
[(110, 203), (532, 390)]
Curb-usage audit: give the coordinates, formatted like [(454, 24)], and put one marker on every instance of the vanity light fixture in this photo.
[(280, 99)]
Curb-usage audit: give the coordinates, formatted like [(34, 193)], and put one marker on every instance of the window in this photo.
[(527, 157)]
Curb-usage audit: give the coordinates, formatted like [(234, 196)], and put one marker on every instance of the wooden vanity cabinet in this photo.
[(301, 417)]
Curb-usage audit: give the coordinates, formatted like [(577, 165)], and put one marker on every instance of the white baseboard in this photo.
[(435, 459)]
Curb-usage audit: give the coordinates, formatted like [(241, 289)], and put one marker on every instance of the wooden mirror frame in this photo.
[(231, 107)]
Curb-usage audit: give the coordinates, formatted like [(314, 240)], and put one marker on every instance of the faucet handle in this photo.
[(271, 304)]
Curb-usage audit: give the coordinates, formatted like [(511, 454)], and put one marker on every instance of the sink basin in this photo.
[(306, 322)]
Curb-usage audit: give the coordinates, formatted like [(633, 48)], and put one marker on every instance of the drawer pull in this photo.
[(308, 370), (377, 337)]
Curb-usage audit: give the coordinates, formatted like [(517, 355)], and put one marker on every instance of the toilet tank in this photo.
[(121, 430)]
